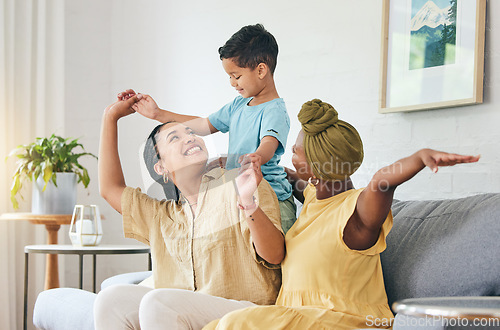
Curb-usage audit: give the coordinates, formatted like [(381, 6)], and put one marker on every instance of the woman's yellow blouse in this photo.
[(325, 284)]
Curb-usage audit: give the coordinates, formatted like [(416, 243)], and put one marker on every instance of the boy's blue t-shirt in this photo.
[(247, 125)]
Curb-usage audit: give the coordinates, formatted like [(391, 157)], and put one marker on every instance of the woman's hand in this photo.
[(268, 240), (121, 108), (433, 159), (125, 95), (249, 178)]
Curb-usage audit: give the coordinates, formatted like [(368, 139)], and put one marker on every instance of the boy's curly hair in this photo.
[(251, 45)]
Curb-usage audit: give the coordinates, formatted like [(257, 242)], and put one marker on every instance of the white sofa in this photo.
[(435, 248)]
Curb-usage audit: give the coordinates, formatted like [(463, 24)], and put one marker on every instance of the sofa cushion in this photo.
[(443, 248), (68, 308), (128, 278), (64, 308)]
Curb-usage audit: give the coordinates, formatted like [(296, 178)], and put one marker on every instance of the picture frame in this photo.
[(432, 54)]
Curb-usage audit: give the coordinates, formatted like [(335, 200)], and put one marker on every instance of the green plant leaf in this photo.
[(12, 152), (14, 202), (16, 185), (54, 178), (85, 178), (46, 157), (47, 174)]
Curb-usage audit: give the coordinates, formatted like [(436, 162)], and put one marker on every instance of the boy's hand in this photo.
[(247, 158), (249, 177), (433, 159), (267, 148), (121, 109), (146, 106)]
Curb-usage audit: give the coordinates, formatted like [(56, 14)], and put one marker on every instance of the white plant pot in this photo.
[(55, 200)]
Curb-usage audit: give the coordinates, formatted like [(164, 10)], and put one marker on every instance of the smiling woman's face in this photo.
[(179, 148)]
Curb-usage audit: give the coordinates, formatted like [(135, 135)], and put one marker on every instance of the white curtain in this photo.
[(31, 105)]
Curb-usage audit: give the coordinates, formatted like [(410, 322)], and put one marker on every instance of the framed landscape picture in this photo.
[(432, 54)]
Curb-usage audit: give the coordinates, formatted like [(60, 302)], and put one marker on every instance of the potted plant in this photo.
[(52, 164)]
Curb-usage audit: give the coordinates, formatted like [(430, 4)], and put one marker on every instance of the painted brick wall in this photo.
[(328, 50)]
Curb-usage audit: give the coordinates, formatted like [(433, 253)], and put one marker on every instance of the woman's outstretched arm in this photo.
[(111, 180), (374, 203)]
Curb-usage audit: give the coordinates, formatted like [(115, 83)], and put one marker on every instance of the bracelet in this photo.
[(247, 207)]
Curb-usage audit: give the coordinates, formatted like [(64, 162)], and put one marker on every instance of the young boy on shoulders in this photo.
[(257, 120)]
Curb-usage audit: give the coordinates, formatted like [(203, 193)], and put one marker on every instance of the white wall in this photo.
[(328, 50), (88, 68)]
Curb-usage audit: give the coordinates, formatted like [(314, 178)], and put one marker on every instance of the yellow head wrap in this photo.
[(333, 147)]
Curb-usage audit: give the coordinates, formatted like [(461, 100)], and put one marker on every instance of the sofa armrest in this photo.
[(64, 308), (127, 278)]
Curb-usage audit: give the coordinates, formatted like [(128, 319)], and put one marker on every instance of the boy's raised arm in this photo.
[(267, 147), (111, 180), (265, 151), (374, 203), (146, 106)]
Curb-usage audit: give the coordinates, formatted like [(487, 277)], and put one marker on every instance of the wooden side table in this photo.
[(52, 223)]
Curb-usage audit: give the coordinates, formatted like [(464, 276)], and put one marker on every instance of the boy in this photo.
[(257, 120)]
